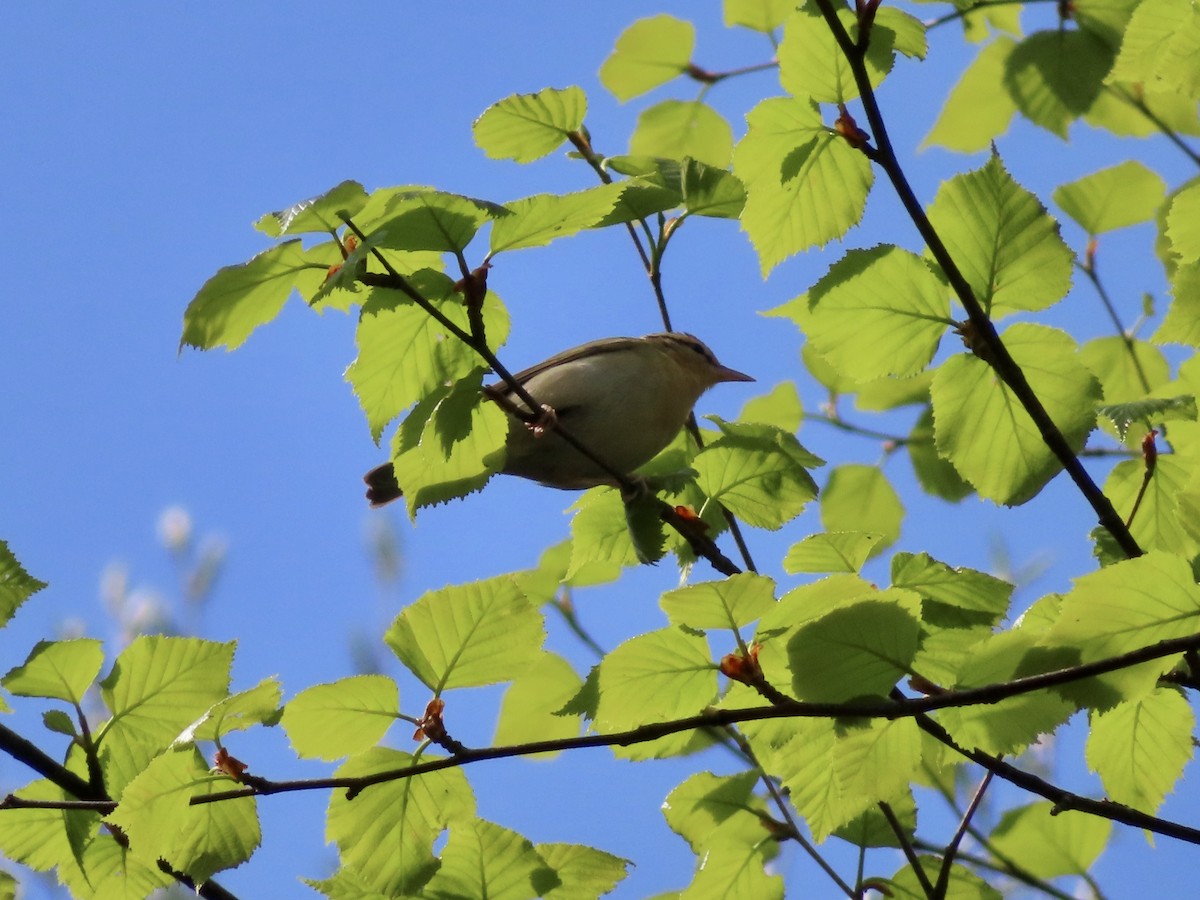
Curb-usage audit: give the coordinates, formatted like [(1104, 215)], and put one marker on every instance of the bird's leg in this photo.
[(546, 419)]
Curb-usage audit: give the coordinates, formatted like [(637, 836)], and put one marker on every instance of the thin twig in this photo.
[(951, 851), (910, 853)]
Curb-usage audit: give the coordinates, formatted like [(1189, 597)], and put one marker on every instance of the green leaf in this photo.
[(538, 220), (963, 884), (860, 498), (482, 859), (813, 66), (975, 112), (238, 712), (1182, 322), (759, 473), (323, 213), (430, 220), (872, 828), (1003, 241), (705, 802), (656, 677), (1161, 48), (1050, 842), (648, 53), (907, 33), (678, 129), (582, 871), (106, 869), (385, 835), (525, 127), (726, 604), (344, 717), (805, 186), (1116, 197), (467, 635), (962, 589), (1010, 726), (736, 870), (780, 407), (197, 840), (1157, 524), (1123, 607), (937, 475), (1055, 76), (157, 687), (1139, 748), (1149, 411), (58, 670), (600, 532), (1127, 369), (856, 651), (16, 585), (458, 447), (44, 838), (878, 312), (757, 15), (1182, 228), (834, 772), (240, 298), (1013, 464), (404, 355), (843, 551), (542, 686)]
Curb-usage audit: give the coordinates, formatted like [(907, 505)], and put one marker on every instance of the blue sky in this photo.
[(140, 146)]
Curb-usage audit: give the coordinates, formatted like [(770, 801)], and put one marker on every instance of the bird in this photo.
[(624, 398)]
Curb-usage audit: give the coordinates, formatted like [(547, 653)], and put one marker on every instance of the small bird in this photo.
[(623, 398)]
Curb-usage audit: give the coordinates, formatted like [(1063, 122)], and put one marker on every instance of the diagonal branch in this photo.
[(985, 334)]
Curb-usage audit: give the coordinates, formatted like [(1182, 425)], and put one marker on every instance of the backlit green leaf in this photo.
[(536, 221), (1050, 842), (1139, 748), (856, 651), (648, 53), (726, 604), (385, 835), (1123, 607), (1183, 224), (757, 15), (467, 635), (842, 551), (1116, 197), (1055, 76), (655, 677), (805, 186), (758, 473), (975, 112), (1161, 48), (813, 66), (347, 716), (525, 127), (240, 298), (481, 859), (60, 670), (678, 129), (582, 871), (1003, 241), (16, 585), (981, 428), (860, 498), (877, 313), (324, 213), (541, 687)]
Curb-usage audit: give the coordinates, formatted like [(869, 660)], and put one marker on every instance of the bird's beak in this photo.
[(724, 373)]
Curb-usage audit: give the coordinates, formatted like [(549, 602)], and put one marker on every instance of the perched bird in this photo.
[(623, 398)]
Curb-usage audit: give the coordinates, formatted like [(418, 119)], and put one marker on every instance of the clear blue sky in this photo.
[(140, 144)]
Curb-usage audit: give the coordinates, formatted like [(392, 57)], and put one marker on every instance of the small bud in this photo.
[(1150, 450), (432, 726), (230, 765)]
